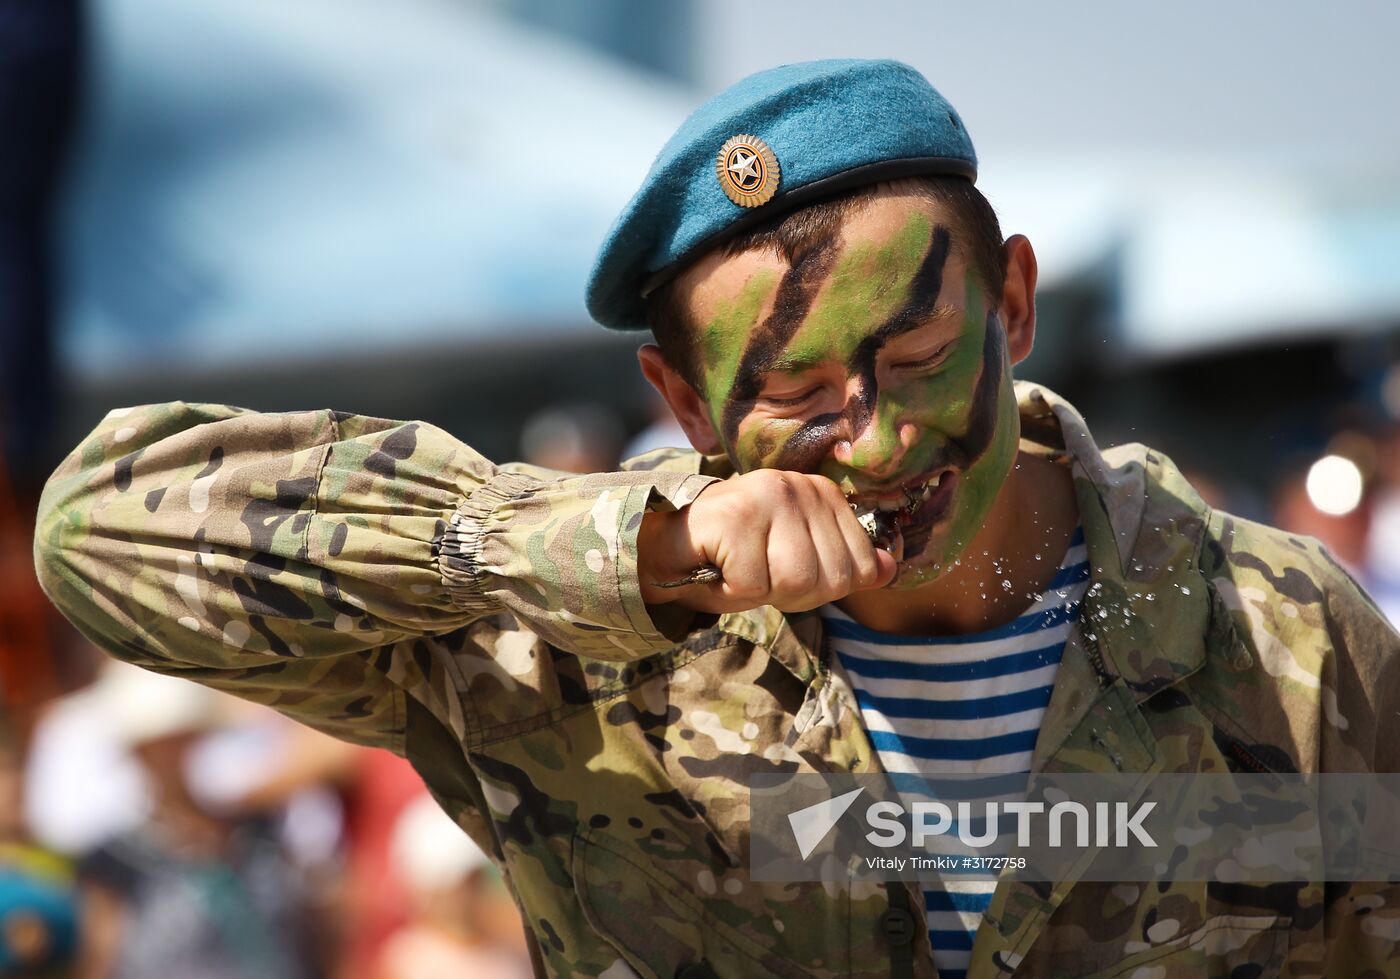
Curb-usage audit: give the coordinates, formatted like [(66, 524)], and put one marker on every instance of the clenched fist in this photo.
[(779, 538)]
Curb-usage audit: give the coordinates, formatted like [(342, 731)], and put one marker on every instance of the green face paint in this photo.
[(836, 310), (721, 340)]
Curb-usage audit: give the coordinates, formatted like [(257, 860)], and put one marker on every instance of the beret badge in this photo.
[(747, 170)]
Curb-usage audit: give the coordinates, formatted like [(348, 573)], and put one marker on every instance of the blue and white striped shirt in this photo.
[(969, 704)]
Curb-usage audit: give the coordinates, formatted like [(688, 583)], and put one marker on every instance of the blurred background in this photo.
[(391, 209)]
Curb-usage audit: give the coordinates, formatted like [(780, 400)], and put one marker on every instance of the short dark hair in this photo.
[(793, 235)]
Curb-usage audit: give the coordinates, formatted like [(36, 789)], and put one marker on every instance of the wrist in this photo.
[(654, 547)]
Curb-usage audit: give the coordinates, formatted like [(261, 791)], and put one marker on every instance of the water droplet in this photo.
[(1150, 597), (1005, 584), (1037, 557), (1185, 590)]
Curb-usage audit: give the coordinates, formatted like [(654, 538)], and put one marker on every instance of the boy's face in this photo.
[(878, 361)]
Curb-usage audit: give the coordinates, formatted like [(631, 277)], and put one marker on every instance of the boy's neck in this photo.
[(1034, 515)]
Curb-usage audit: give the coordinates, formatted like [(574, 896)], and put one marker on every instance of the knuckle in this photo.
[(795, 579), (828, 490), (744, 508), (867, 569), (842, 578), (783, 488), (767, 478)]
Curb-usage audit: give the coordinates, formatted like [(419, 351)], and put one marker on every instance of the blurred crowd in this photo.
[(152, 828)]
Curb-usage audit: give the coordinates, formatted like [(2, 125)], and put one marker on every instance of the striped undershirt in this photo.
[(968, 704)]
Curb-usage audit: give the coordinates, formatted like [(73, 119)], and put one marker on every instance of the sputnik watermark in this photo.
[(1236, 827), (811, 823), (1111, 824)]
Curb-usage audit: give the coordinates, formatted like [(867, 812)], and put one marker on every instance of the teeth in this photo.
[(913, 498), (920, 496)]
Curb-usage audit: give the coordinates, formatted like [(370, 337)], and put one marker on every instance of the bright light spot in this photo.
[(1334, 485)]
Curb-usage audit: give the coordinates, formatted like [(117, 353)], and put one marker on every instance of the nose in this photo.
[(878, 446)]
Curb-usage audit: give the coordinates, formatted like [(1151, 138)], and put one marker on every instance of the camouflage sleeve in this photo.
[(273, 554)]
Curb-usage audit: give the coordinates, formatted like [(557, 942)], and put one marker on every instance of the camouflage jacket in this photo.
[(384, 583)]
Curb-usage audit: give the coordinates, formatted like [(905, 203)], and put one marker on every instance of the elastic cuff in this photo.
[(459, 557)]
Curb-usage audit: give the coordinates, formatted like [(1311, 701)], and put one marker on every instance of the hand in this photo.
[(779, 538)]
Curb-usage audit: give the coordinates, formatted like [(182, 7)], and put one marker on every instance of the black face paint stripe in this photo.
[(986, 399), (796, 291), (923, 297), (923, 293), (806, 449)]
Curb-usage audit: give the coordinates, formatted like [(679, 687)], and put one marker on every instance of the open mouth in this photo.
[(906, 517)]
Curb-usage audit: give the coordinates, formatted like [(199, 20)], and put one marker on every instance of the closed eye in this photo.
[(785, 400), (932, 360)]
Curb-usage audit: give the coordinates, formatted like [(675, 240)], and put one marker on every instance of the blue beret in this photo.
[(830, 125)]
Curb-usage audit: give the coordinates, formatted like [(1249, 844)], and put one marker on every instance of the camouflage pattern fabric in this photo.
[(384, 583)]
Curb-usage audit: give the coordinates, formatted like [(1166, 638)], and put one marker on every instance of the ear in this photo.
[(1018, 297), (685, 402)]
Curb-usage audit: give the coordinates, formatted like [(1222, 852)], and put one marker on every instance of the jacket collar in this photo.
[(1147, 609)]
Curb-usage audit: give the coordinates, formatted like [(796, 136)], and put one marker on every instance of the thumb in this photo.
[(888, 567)]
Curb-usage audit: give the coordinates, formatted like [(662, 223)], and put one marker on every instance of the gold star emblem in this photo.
[(748, 170)]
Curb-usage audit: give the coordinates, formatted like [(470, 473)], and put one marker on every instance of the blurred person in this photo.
[(1382, 543), (662, 432), (186, 893), (82, 785), (38, 903), (380, 786), (588, 670), (462, 921), (85, 787), (577, 438), (374, 787), (1344, 535)]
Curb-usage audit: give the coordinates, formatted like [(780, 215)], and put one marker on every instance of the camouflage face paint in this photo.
[(980, 455), (843, 305), (796, 291), (805, 450)]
